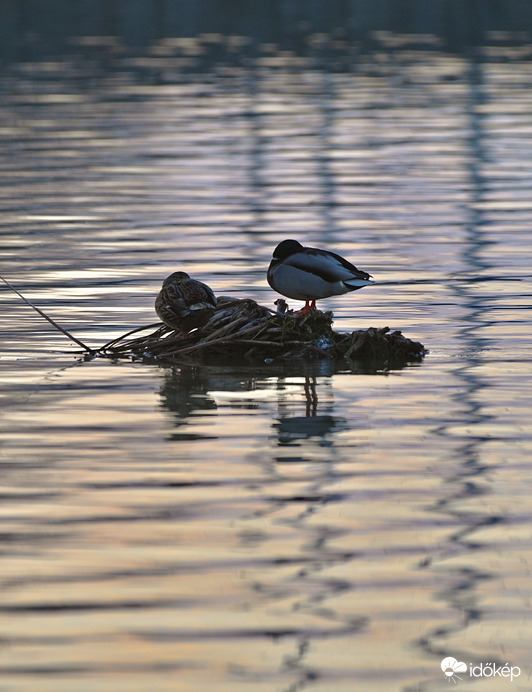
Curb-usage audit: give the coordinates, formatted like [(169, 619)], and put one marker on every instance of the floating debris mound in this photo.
[(243, 328)]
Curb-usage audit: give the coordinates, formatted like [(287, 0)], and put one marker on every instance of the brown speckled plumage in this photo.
[(184, 303)]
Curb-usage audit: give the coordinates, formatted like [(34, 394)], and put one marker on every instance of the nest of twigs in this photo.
[(245, 329)]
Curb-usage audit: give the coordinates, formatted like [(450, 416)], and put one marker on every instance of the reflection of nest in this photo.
[(243, 328)]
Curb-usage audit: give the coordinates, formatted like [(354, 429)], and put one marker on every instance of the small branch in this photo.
[(52, 322), (230, 327), (110, 344)]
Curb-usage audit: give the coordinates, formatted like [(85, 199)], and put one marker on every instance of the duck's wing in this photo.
[(327, 265), (209, 294), (194, 293), (170, 302)]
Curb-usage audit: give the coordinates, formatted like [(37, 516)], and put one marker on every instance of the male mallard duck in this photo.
[(309, 274), (184, 303)]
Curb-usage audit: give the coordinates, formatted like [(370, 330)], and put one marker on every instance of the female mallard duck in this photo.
[(184, 303), (309, 274)]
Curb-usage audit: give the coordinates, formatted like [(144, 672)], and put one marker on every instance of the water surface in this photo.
[(276, 526)]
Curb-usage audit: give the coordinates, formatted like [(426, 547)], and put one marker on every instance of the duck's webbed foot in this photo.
[(309, 306)]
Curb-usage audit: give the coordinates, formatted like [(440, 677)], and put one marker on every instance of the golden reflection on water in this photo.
[(265, 526)]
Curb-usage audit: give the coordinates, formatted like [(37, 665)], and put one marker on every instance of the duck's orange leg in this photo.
[(309, 306)]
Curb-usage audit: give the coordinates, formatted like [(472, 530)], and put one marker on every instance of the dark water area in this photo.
[(31, 29), (280, 525)]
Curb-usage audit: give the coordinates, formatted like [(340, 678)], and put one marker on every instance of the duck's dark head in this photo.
[(175, 278), (287, 248)]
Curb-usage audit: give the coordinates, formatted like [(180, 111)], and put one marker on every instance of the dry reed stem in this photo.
[(270, 335)]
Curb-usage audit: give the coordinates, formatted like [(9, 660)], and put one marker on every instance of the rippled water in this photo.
[(284, 526)]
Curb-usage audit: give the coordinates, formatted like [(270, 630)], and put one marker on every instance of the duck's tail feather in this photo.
[(353, 284)]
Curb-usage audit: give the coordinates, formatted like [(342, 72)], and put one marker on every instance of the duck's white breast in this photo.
[(302, 285)]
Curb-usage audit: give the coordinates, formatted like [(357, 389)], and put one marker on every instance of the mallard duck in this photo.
[(309, 274), (184, 303)]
